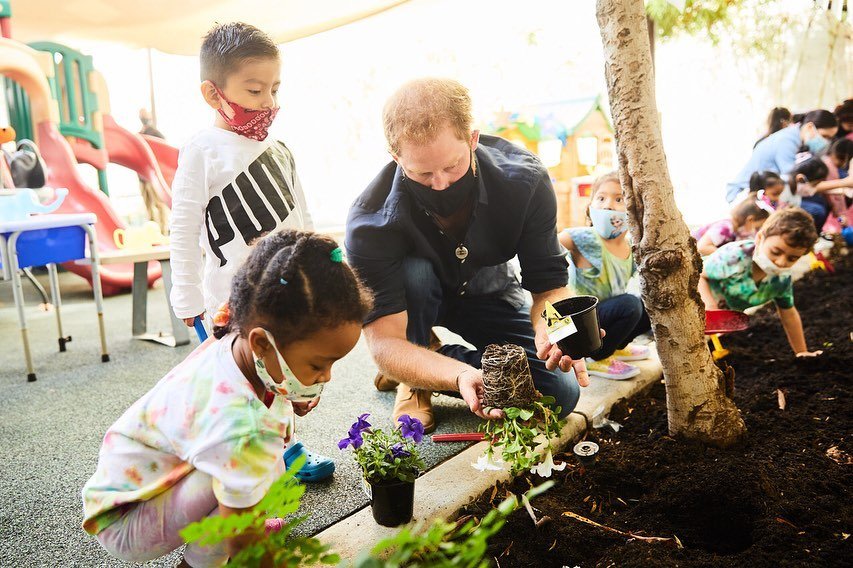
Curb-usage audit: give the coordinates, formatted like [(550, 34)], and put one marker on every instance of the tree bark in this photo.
[(668, 262)]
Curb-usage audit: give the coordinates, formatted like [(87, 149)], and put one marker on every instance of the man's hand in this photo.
[(303, 408), (554, 358), (190, 322), (471, 388)]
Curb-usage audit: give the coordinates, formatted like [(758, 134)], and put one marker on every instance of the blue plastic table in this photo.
[(49, 240)]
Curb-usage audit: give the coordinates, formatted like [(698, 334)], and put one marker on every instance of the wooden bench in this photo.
[(140, 257)]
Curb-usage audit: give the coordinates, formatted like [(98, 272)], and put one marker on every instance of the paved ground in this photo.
[(50, 430)]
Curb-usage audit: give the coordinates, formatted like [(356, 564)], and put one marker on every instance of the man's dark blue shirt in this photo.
[(514, 214)]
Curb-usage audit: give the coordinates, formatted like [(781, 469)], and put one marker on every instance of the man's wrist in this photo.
[(462, 372)]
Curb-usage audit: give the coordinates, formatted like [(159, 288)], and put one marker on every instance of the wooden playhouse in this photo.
[(574, 139)]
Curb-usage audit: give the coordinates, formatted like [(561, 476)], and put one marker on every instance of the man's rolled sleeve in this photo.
[(543, 260), (376, 252)]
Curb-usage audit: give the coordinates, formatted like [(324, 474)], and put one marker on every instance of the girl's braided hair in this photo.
[(293, 284)]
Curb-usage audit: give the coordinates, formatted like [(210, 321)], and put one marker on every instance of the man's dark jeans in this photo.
[(480, 320), (623, 317)]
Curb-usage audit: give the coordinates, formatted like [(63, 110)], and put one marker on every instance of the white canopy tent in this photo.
[(177, 26)]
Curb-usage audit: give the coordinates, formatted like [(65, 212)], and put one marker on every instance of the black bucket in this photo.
[(584, 314), (392, 502)]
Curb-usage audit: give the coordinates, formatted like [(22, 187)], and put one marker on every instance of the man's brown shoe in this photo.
[(415, 403), (384, 383)]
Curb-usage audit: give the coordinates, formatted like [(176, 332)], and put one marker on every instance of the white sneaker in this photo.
[(611, 368)]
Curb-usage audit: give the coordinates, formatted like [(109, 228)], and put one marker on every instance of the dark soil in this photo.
[(778, 499)]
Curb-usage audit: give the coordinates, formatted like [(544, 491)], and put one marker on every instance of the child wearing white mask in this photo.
[(600, 265), (208, 438), (749, 273)]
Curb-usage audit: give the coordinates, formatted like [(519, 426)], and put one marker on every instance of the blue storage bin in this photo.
[(45, 246)]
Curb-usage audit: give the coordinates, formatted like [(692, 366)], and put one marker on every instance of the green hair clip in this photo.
[(337, 255)]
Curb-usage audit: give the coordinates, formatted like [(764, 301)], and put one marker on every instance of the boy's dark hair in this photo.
[(794, 225), (293, 285), (843, 150), (749, 207), (760, 180), (226, 46)]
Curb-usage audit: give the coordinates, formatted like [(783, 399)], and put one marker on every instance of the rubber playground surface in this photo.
[(52, 429)]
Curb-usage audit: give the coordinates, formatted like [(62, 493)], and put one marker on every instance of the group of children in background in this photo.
[(212, 435), (748, 256)]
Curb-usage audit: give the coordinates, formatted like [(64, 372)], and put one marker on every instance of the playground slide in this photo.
[(62, 172), (130, 150), (166, 155)]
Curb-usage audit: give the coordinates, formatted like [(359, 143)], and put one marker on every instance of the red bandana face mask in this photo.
[(252, 124)]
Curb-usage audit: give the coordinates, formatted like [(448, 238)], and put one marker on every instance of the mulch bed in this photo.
[(781, 498)]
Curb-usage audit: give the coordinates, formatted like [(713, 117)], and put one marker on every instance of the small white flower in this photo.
[(547, 466), (486, 463)]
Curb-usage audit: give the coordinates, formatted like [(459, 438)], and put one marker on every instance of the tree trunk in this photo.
[(668, 262)]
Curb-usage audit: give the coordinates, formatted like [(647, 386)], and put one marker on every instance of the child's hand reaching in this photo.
[(803, 354), (303, 408), (190, 322)]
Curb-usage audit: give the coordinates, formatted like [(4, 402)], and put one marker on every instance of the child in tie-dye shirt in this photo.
[(209, 437), (749, 273)]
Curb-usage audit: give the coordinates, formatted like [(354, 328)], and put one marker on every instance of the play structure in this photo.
[(575, 141), (56, 98)]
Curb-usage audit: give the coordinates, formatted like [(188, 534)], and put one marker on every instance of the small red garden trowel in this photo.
[(459, 437), (723, 321)]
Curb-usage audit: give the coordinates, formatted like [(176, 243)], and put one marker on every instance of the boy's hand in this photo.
[(190, 322), (803, 354), (303, 408)]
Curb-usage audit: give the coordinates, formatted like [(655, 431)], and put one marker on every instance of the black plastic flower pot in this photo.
[(584, 314), (392, 502)]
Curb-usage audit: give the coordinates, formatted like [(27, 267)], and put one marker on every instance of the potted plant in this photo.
[(390, 462)]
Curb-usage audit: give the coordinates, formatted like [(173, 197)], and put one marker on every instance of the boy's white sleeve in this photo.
[(307, 221), (189, 199)]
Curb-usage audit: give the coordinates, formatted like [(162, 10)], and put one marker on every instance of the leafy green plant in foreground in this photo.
[(281, 500), (521, 432), (441, 544)]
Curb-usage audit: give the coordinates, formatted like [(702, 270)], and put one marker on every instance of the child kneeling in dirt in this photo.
[(208, 438), (748, 273)]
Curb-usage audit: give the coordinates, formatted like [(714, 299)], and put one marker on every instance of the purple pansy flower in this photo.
[(411, 428), (354, 437), (398, 452)]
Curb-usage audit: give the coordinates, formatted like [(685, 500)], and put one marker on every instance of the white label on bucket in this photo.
[(559, 327)]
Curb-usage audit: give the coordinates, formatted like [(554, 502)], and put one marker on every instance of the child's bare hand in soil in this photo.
[(472, 391), (804, 354), (303, 408)]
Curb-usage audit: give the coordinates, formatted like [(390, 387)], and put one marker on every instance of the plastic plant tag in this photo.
[(559, 327)]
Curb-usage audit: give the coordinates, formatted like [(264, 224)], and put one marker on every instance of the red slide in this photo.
[(167, 157), (62, 172), (130, 150)]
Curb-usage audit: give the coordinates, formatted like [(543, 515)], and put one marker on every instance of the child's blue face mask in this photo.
[(290, 387), (608, 223)]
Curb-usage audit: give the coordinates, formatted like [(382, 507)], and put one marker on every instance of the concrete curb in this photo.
[(442, 491)]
